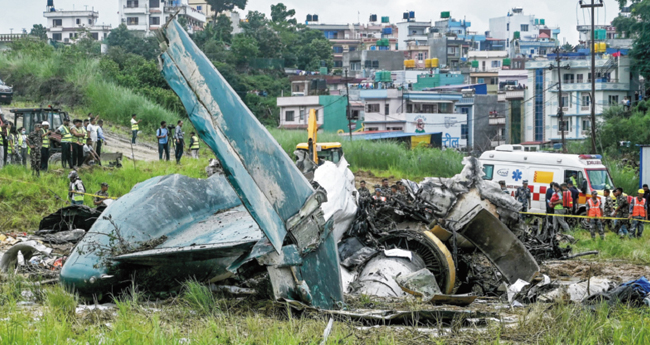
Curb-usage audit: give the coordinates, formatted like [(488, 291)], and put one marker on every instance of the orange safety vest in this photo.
[(638, 208), (594, 208), (567, 199)]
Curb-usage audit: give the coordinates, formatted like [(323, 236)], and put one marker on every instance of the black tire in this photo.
[(54, 159)]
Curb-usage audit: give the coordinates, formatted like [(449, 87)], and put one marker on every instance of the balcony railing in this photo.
[(497, 120), (585, 107)]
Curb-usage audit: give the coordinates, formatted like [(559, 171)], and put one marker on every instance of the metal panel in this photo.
[(262, 174), (645, 166)]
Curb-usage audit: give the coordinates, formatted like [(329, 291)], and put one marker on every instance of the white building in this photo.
[(148, 15), (413, 32), (535, 38), (540, 120), (68, 26)]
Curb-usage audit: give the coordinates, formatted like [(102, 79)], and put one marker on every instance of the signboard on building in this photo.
[(450, 125)]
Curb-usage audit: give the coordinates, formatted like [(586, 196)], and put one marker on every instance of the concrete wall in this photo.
[(334, 114), (482, 131), (448, 124), (438, 49)]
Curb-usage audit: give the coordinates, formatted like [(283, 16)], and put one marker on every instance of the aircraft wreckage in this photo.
[(263, 216)]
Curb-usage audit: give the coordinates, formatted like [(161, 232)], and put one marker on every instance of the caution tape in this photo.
[(578, 216), (36, 184)]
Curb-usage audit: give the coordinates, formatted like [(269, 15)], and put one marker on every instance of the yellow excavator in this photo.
[(319, 151)]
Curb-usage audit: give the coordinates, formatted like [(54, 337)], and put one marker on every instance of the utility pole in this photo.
[(347, 106), (593, 6), (560, 111)]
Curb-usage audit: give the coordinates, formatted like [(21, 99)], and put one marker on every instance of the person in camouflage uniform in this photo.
[(523, 196), (622, 211), (385, 189), (364, 194), (608, 207), (35, 141)]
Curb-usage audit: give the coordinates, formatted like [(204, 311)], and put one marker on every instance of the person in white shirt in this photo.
[(92, 131)]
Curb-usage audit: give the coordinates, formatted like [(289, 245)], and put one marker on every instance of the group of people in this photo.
[(81, 143), (384, 194), (77, 191), (163, 134), (561, 199)]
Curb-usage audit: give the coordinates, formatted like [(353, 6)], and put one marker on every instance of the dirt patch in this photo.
[(371, 179), (116, 142), (583, 269)]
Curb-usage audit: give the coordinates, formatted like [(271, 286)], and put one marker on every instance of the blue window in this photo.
[(463, 130), (337, 49), (480, 81), (464, 110), (199, 7), (353, 49), (338, 63)]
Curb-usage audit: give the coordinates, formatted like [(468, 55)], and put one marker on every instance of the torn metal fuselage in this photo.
[(279, 202)]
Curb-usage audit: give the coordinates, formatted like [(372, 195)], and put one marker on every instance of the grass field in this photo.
[(200, 317)]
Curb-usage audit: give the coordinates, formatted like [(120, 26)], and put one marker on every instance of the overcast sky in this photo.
[(564, 13)]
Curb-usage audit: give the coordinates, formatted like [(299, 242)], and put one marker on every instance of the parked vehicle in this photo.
[(512, 164), (6, 93), (28, 117)]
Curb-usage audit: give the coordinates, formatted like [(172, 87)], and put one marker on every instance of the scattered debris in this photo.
[(421, 283), (69, 218)]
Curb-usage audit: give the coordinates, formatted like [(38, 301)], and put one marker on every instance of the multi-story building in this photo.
[(330, 112), (413, 32), (145, 16), (415, 112), (347, 38), (524, 35), (449, 50), (614, 82), (202, 6), (363, 63), (68, 26), (485, 68)]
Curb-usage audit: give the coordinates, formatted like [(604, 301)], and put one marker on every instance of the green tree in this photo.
[(638, 27), (317, 53), (219, 6), (244, 48), (567, 47), (39, 31), (131, 42), (280, 14), (223, 29)]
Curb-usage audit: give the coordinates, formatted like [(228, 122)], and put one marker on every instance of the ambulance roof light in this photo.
[(591, 157)]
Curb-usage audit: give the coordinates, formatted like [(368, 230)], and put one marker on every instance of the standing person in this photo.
[(574, 179), (75, 189), (79, 133), (194, 145), (22, 142), (557, 203), (363, 191), (622, 211), (595, 212), (102, 195), (524, 197), (575, 193), (180, 141), (134, 128), (35, 140), (549, 208), (100, 138), (10, 145), (66, 143), (45, 147), (608, 207), (163, 141), (3, 141), (646, 196), (638, 213), (92, 131)]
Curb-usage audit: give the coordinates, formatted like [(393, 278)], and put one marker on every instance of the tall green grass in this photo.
[(624, 176), (383, 156), (76, 82), (25, 200)]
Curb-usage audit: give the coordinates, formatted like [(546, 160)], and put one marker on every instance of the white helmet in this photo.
[(45, 123)]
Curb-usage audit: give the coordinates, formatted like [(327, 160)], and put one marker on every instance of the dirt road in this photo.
[(116, 142)]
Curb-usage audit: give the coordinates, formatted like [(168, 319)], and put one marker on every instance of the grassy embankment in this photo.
[(55, 77)]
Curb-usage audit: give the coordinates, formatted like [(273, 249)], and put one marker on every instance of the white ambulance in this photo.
[(510, 163)]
